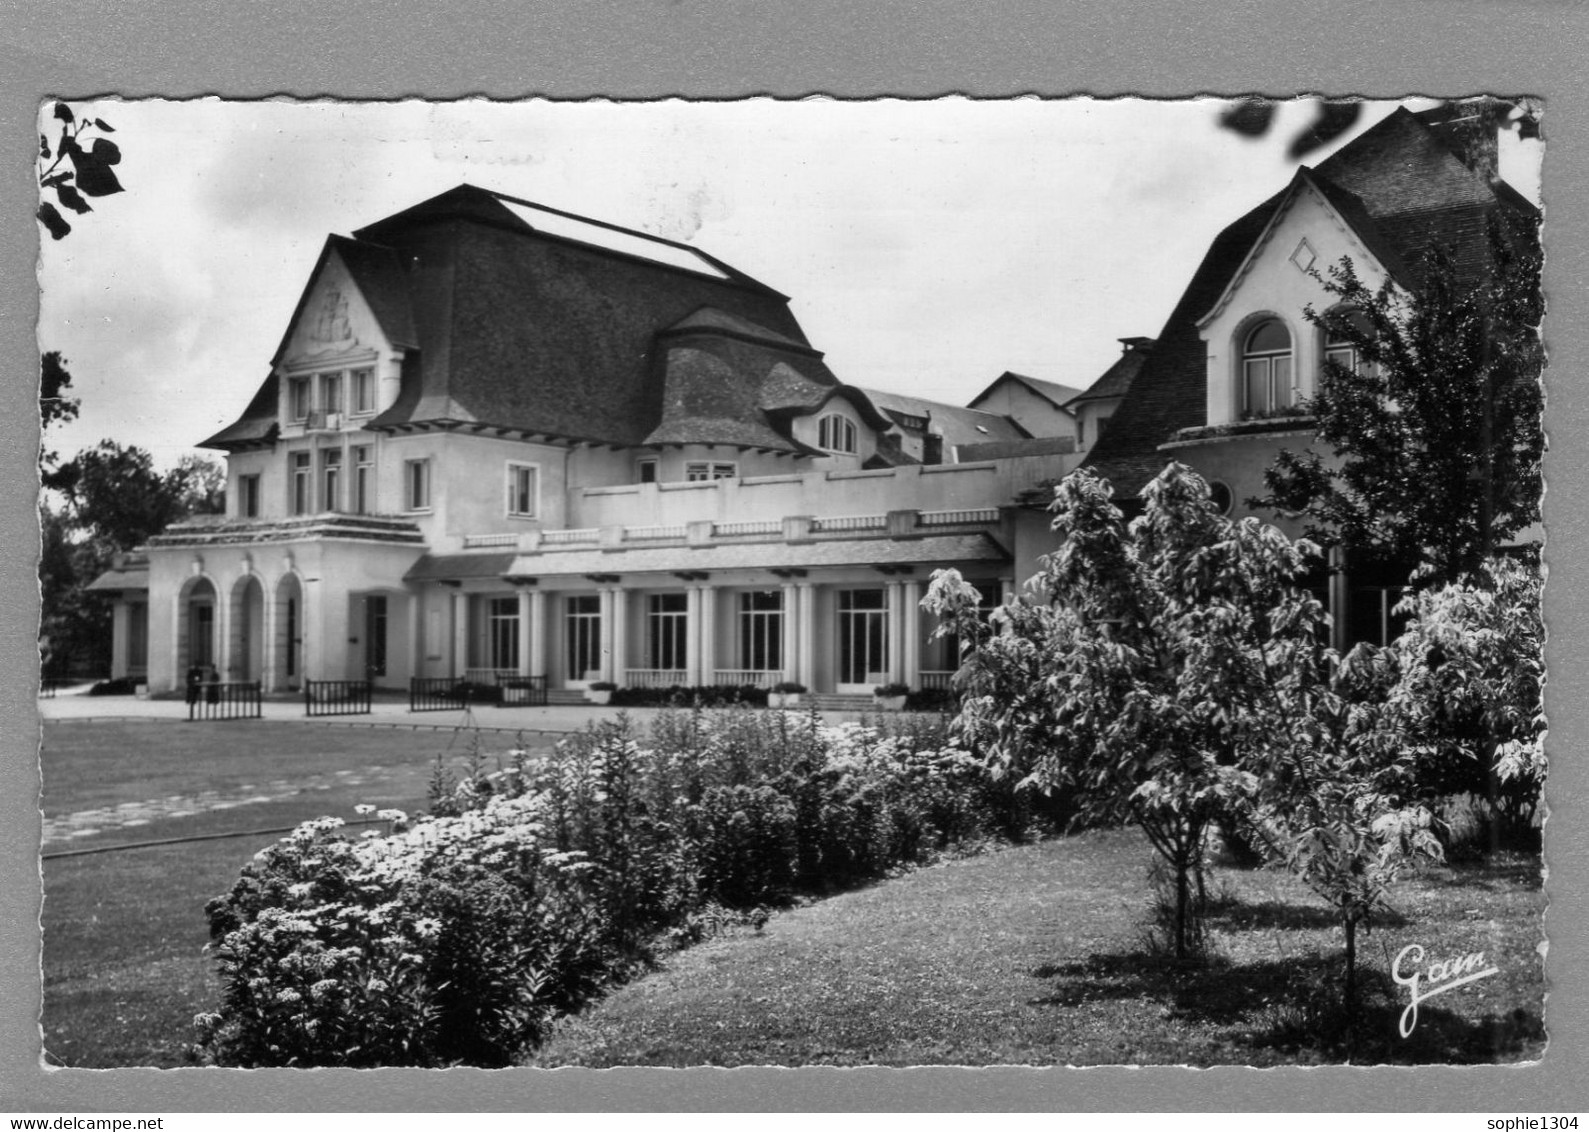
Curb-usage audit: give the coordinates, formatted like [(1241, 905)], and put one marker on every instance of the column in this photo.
[(606, 634), (416, 643), (910, 634), (269, 654), (222, 629), (620, 635), (708, 634), (896, 637), (692, 636), (118, 638), (537, 633), (524, 632), (1340, 598), (789, 631), (460, 633), (806, 635)]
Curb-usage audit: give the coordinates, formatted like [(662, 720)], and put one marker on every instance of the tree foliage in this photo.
[(1431, 445), (76, 168)]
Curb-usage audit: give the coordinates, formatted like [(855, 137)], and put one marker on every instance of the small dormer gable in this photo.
[(1263, 355)]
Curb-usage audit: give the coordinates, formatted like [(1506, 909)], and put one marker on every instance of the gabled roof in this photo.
[(1051, 391), (1400, 187)]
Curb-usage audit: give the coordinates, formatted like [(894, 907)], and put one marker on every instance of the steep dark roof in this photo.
[(257, 425), (1118, 377), (1399, 185), (511, 321), (955, 423)]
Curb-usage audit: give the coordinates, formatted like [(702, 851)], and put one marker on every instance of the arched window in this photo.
[(1266, 386), (836, 433), (1343, 351)]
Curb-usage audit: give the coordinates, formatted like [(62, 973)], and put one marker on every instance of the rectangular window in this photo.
[(523, 490), (647, 470), (363, 479), (863, 637), (248, 496), (836, 433), (364, 391), (700, 470), (301, 487), (331, 392), (297, 398), (416, 480), (331, 479), (583, 621), (667, 630), (502, 634), (761, 630)]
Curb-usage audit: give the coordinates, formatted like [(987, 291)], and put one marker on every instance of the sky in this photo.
[(927, 247)]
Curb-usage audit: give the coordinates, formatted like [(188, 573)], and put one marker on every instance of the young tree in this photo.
[(1432, 440), (1143, 683)]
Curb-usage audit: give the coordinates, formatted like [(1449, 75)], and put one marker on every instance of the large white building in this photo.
[(501, 439)]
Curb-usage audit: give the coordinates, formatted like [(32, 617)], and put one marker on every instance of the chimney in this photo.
[(1139, 345)]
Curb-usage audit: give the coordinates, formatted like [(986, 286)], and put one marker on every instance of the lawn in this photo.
[(1034, 955), (123, 931), (1028, 955)]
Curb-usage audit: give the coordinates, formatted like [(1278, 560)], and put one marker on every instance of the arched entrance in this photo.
[(246, 654), (288, 632), (196, 642)]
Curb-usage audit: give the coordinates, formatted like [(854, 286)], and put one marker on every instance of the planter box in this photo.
[(889, 703), (602, 697), (783, 699)]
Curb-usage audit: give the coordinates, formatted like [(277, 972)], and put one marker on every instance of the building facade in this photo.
[(501, 440)]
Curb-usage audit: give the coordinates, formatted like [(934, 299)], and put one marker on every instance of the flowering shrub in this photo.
[(455, 938)]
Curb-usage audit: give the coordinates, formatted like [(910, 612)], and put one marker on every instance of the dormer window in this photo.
[(836, 433), (331, 392), (364, 391), (1266, 386)]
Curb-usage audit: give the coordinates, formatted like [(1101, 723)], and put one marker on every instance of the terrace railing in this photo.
[(336, 697), (655, 677), (740, 677), (216, 701), (935, 679), (522, 691)]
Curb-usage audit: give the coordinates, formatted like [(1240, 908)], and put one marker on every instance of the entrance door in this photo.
[(375, 636), (863, 640), (582, 646)]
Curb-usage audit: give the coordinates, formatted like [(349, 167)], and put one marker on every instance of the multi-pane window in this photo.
[(1266, 369), (502, 633), (667, 631), (248, 496), (523, 490), (761, 630), (363, 479), (297, 398), (836, 433), (331, 479), (1343, 351), (647, 470), (863, 636), (698, 470), (416, 485), (300, 488), (582, 622), (364, 390)]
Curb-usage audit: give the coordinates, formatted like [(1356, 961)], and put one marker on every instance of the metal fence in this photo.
[(439, 693), (522, 691), (336, 697), (217, 700)]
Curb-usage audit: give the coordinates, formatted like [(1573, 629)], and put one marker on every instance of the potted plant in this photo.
[(890, 697), (600, 691), (785, 694)]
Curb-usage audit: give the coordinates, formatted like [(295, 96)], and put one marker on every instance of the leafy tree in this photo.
[(74, 171), (1164, 651), (1433, 440), (201, 485), (1472, 674), (116, 497)]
